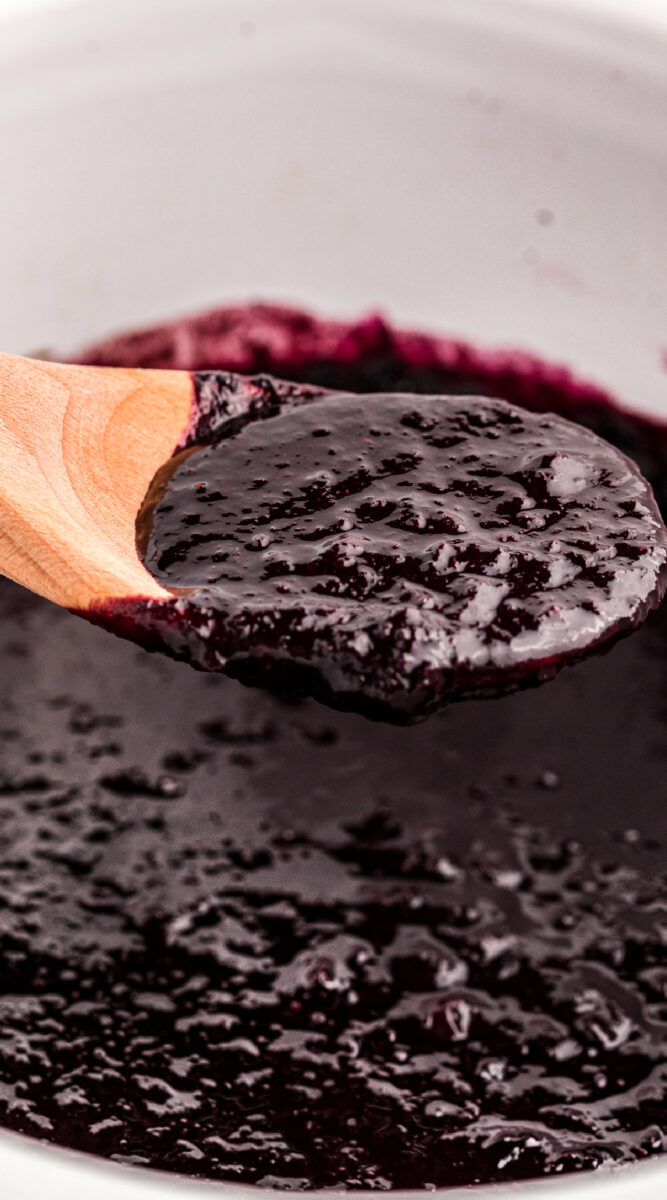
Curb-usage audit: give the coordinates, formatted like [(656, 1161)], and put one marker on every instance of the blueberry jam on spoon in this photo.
[(390, 553)]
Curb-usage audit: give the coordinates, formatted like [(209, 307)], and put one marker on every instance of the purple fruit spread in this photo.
[(389, 553), (256, 940)]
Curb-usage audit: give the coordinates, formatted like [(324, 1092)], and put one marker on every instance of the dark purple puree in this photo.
[(388, 553), (268, 942)]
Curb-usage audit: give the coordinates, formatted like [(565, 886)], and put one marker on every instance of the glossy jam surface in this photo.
[(267, 942), (391, 552)]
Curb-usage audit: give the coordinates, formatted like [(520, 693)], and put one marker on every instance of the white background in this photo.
[(656, 9)]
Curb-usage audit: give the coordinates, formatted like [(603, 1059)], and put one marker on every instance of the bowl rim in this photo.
[(63, 1174)]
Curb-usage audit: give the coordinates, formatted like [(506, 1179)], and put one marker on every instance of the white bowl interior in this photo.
[(464, 164), (477, 167)]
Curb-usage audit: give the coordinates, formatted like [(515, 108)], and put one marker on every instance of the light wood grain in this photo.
[(78, 448)]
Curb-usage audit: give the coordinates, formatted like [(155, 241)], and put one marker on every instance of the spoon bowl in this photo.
[(382, 553)]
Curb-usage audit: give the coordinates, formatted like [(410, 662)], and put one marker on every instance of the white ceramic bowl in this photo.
[(483, 167)]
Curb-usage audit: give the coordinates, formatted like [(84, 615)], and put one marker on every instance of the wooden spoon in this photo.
[(79, 447)]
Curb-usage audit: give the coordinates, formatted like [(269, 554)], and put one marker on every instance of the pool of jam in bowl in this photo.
[(265, 942)]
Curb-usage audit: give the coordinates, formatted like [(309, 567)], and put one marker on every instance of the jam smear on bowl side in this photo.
[(389, 553), (255, 940)]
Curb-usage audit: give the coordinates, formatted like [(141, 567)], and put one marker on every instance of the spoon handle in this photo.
[(78, 448)]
